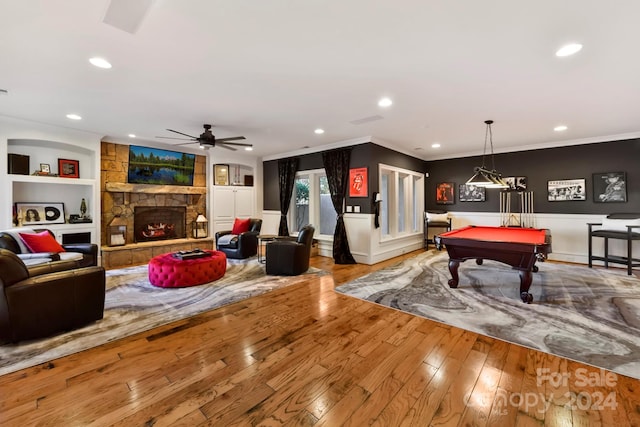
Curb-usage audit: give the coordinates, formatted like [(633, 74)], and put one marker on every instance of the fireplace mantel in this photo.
[(119, 187)]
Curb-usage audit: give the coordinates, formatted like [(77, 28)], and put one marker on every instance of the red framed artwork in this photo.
[(68, 168), (358, 178), (445, 193)]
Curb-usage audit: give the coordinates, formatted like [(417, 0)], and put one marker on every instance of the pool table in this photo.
[(518, 247)]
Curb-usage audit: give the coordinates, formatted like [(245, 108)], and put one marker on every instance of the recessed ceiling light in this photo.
[(436, 145), (74, 117), (385, 102), (569, 49), (248, 148), (100, 62), (131, 135), (319, 131), (560, 128)]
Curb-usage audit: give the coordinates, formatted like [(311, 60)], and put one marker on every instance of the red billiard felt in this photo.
[(532, 236)]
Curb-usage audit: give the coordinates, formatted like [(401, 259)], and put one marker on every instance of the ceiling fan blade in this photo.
[(232, 138), (170, 137), (225, 146), (190, 136), (239, 144)]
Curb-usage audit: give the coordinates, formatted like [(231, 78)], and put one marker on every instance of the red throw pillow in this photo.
[(240, 225), (41, 242)]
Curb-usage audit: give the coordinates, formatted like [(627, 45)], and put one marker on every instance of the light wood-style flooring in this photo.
[(308, 356)]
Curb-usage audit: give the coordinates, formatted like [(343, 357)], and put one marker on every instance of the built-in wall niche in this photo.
[(43, 152), (52, 191), (232, 174)]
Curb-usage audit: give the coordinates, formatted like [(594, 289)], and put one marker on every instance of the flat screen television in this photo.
[(163, 167)]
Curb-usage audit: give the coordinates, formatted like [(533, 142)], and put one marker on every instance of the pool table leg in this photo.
[(453, 269), (526, 277)]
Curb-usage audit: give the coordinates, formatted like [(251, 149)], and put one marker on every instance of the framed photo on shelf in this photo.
[(566, 190), (471, 193), (358, 178), (445, 194), (609, 187), (45, 168), (40, 213), (221, 174), (68, 168)]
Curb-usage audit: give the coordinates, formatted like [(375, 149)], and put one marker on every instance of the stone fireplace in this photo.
[(158, 217), (152, 223)]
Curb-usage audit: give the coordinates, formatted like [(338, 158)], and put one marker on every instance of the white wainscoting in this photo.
[(569, 235), (363, 237)]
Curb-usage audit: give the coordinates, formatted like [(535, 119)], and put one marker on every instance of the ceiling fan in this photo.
[(208, 139)]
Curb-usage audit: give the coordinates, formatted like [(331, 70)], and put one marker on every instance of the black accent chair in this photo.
[(290, 257), (89, 251), (242, 246), (46, 299)]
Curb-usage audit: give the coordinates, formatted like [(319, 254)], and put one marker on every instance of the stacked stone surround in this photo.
[(114, 161)]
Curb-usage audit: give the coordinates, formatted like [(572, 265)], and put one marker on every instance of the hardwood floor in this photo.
[(306, 355)]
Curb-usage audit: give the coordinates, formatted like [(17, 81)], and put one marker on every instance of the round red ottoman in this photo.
[(167, 271)]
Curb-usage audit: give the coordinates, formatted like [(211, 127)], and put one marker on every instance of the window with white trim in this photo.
[(402, 193)]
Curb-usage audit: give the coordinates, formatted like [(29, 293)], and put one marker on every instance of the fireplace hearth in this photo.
[(151, 223)]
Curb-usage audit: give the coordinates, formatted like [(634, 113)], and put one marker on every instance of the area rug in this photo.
[(588, 315), (133, 305)]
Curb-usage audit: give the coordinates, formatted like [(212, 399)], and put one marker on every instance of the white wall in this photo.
[(364, 239), (569, 234)]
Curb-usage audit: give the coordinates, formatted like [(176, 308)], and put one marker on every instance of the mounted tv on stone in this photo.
[(162, 167)]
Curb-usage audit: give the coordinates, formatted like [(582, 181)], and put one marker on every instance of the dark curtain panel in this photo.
[(287, 176), (336, 165)]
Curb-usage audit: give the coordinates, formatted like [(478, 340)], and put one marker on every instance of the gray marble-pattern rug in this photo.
[(588, 315), (133, 305)]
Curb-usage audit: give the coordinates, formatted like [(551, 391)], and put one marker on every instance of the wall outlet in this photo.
[(356, 208), (349, 208)]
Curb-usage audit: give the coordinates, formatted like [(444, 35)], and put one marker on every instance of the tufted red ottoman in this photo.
[(167, 271)]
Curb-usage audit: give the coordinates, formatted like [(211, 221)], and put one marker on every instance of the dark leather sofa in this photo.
[(46, 299), (89, 251), (290, 257), (244, 245)]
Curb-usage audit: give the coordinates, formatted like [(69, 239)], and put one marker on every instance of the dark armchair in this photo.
[(240, 246), (46, 299), (290, 257)]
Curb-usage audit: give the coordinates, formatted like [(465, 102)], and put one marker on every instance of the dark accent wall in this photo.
[(540, 166), (367, 155)]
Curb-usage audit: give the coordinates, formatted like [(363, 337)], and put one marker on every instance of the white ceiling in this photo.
[(275, 70)]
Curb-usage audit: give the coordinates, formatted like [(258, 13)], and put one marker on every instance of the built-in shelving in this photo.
[(55, 189), (36, 179)]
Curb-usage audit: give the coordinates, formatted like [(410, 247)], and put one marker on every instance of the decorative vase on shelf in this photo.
[(83, 208)]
